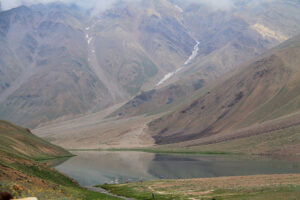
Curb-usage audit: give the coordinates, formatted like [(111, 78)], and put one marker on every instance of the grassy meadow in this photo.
[(257, 187)]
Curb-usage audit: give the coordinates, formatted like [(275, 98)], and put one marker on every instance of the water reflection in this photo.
[(178, 166), (92, 168), (56, 162), (99, 167)]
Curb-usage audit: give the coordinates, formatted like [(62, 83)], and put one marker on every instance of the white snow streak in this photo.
[(188, 61), (166, 77), (194, 54), (179, 8), (88, 38)]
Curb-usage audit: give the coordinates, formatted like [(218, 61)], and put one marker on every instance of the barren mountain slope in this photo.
[(257, 105), (58, 61), (54, 78), (136, 44), (266, 90), (230, 36), (227, 38)]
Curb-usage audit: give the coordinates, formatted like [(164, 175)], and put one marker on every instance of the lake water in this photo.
[(98, 167)]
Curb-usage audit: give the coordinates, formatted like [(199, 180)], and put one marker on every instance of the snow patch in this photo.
[(89, 40), (194, 54), (166, 77), (178, 8), (267, 32), (188, 61)]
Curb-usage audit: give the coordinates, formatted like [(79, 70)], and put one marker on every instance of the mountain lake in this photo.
[(91, 168)]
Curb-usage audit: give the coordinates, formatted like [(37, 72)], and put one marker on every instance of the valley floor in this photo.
[(279, 143), (96, 132), (258, 187)]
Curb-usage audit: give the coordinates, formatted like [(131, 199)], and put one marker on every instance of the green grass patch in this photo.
[(145, 192), (127, 191), (64, 186), (274, 193)]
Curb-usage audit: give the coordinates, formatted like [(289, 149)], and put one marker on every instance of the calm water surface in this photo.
[(99, 167)]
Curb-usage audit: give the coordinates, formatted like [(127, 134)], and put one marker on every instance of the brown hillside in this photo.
[(266, 90)]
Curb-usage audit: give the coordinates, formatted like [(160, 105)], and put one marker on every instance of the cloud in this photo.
[(102, 5), (96, 5), (213, 4), (223, 4), (217, 4)]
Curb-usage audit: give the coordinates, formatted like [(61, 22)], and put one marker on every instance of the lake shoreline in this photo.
[(160, 151), (120, 172), (192, 152), (134, 166)]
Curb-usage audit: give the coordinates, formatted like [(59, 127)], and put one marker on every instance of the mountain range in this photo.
[(260, 98), (168, 72)]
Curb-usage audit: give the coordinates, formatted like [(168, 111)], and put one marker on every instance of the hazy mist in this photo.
[(98, 5), (101, 5)]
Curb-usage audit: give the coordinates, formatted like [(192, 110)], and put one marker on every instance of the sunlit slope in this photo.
[(23, 175), (19, 141), (265, 90)]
